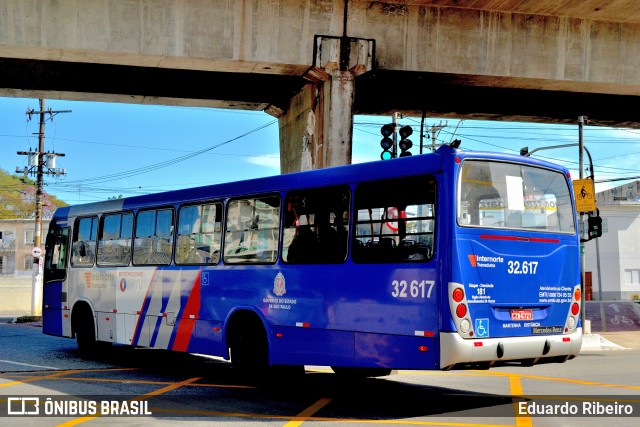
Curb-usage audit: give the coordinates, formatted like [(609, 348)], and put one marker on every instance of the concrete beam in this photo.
[(548, 60), (316, 128)]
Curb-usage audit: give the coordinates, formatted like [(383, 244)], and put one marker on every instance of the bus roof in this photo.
[(413, 165)]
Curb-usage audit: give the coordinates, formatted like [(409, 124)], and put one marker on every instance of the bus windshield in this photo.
[(496, 194)]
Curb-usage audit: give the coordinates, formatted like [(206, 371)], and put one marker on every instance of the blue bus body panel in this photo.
[(322, 307), (504, 275)]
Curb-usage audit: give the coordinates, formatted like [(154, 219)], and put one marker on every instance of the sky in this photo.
[(116, 149)]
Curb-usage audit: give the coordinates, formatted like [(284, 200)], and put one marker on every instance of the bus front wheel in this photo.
[(84, 327), (85, 333)]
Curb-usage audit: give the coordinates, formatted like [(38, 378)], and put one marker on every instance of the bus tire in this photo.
[(248, 344), (351, 372), (84, 327)]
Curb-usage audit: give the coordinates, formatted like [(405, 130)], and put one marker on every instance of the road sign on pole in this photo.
[(585, 195)]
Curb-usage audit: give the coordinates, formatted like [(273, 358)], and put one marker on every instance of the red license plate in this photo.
[(521, 314)]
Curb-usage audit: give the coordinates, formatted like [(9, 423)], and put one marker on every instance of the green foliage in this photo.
[(17, 198), (28, 319)]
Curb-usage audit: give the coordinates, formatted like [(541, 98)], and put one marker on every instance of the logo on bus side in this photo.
[(484, 261), (279, 285), (473, 259)]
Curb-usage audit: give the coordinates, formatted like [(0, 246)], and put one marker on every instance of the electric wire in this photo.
[(166, 163)]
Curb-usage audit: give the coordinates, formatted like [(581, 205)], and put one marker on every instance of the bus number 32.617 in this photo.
[(527, 267), (402, 289)]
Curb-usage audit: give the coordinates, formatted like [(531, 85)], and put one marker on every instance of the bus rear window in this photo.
[(395, 220), (513, 196)]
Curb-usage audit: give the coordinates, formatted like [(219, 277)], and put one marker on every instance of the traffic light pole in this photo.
[(582, 227), (395, 135)]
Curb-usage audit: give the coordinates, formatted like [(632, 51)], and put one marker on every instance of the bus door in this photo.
[(516, 257), (55, 309)]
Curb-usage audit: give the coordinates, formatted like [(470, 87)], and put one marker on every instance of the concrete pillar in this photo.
[(316, 129)]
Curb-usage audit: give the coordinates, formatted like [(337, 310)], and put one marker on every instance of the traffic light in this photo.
[(405, 144), (594, 224), (386, 143)]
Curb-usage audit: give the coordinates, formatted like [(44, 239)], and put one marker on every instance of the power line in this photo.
[(166, 163)]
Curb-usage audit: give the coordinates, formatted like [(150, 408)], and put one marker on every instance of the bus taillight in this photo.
[(458, 305), (458, 295), (575, 309), (461, 310)]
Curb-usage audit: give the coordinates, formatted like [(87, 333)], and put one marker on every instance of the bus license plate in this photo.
[(521, 314)]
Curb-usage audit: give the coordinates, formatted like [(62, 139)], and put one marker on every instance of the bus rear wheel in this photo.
[(248, 345)]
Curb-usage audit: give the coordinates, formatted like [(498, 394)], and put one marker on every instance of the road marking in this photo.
[(168, 388), (137, 398), (309, 411), (146, 382), (49, 368), (204, 413), (39, 378), (568, 380), (515, 387), (532, 377)]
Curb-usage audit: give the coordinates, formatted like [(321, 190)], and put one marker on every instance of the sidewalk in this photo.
[(625, 340)]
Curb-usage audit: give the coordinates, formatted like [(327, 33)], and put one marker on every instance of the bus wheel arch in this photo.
[(247, 341)]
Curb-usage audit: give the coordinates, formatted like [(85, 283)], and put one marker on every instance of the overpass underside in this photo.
[(314, 64)]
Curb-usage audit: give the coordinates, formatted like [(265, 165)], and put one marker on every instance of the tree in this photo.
[(17, 198)]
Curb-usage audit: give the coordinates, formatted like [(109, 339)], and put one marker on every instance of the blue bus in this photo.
[(447, 260)]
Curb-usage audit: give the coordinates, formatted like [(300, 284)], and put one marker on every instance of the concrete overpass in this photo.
[(314, 63)]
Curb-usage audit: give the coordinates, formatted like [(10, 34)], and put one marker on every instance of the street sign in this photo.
[(36, 252), (585, 195)]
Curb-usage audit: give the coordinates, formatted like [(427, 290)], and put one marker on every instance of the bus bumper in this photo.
[(459, 353)]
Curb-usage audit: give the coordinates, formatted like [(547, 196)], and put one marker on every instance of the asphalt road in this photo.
[(180, 388)]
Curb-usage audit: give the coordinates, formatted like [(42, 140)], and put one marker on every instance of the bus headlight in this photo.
[(465, 325)]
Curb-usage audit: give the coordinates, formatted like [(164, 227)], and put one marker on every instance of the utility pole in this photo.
[(395, 135), (434, 131), (37, 161)]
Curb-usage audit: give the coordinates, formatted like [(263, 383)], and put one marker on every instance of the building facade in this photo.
[(612, 262), (17, 237)]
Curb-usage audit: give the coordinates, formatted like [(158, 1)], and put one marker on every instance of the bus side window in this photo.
[(199, 234), (252, 230), (395, 220), (316, 225), (114, 243), (83, 250), (153, 244)]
